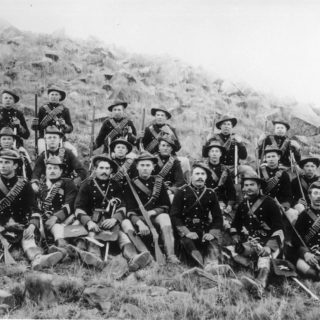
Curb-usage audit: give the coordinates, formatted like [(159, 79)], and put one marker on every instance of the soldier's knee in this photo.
[(163, 219), (264, 262), (123, 239), (126, 225)]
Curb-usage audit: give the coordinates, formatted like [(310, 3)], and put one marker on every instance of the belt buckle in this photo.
[(196, 220)]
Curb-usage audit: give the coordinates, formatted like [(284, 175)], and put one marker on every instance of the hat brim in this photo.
[(62, 93), (207, 170), (16, 98), (124, 104), (96, 158), (154, 110), (274, 122), (124, 142), (206, 150), (314, 160), (62, 165), (262, 182), (234, 122), (153, 159), (173, 146), (18, 138), (278, 151)]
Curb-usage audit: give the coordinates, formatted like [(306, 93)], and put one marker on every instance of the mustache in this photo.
[(200, 179)]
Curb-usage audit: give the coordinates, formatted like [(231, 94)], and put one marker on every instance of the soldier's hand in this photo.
[(77, 182), (235, 239), (310, 259), (15, 121), (92, 226), (35, 187), (51, 222), (222, 205), (62, 122), (140, 134), (192, 235), (108, 223), (237, 139), (228, 209), (294, 144), (299, 207), (143, 229), (265, 252), (2, 229), (207, 237), (35, 124), (29, 232)]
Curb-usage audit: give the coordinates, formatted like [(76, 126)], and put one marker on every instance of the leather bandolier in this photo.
[(117, 129), (11, 195), (47, 202), (226, 144), (315, 228), (152, 145), (51, 115), (119, 175), (271, 182), (165, 169), (223, 178), (284, 146)]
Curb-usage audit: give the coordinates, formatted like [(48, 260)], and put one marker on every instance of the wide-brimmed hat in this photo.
[(154, 110), (202, 165), (272, 148), (170, 140), (224, 118), (13, 93), (10, 155), (54, 130), (280, 121), (121, 141), (57, 89), (255, 177), (145, 155), (55, 160), (314, 185), (7, 131), (117, 103), (305, 160), (104, 157), (212, 144)]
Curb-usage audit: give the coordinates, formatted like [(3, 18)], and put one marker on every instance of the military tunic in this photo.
[(283, 143), (305, 184), (68, 158), (106, 129)]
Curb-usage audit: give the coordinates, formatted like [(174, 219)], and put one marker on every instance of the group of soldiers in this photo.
[(140, 198)]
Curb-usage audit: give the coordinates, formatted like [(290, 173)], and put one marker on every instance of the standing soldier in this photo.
[(229, 141), (257, 231), (99, 206), (277, 180), (56, 198), (220, 179), (11, 117), (53, 138), (154, 198), (282, 141), (54, 113), (116, 126), (9, 140), (307, 227), (19, 218), (196, 215), (168, 166)]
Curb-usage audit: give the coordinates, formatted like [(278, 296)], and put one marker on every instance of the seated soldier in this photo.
[(168, 166), (154, 198), (220, 179), (71, 163), (11, 117), (257, 231), (307, 226), (228, 140), (309, 165), (116, 126), (277, 179), (56, 199), (196, 215), (99, 206), (54, 113), (17, 203), (9, 140), (282, 141)]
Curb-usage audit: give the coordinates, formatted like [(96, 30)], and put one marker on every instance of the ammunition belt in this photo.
[(284, 146), (314, 228), (51, 115), (117, 129), (271, 182), (123, 169), (47, 202), (12, 194)]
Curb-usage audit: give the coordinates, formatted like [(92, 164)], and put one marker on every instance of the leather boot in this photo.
[(213, 253), (262, 277), (32, 252), (168, 240), (136, 240), (61, 246), (47, 260), (197, 256), (136, 260), (253, 287)]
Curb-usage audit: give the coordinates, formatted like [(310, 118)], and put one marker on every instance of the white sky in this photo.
[(273, 45)]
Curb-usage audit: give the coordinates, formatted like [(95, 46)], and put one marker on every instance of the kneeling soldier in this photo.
[(196, 215), (308, 228), (16, 206), (99, 206), (257, 231)]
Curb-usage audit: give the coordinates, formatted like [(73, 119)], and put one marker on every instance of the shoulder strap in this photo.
[(3, 187), (315, 228), (198, 198), (51, 114), (142, 187), (117, 128), (167, 167), (304, 183), (256, 206)]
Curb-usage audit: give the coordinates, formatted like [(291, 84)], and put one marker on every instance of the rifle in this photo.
[(155, 236), (257, 157), (108, 243), (142, 128), (236, 180), (8, 259), (294, 165), (264, 141), (92, 128)]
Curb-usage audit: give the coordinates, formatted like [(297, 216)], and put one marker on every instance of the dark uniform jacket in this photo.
[(64, 114), (303, 225), (284, 145), (305, 184), (124, 165), (90, 199), (107, 128), (174, 177), (221, 182), (64, 194), (6, 115), (159, 202), (228, 142), (196, 210), (265, 222), (69, 159), (153, 132), (22, 206), (281, 190)]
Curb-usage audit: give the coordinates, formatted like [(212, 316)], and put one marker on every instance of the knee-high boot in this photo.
[(168, 239), (136, 260)]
